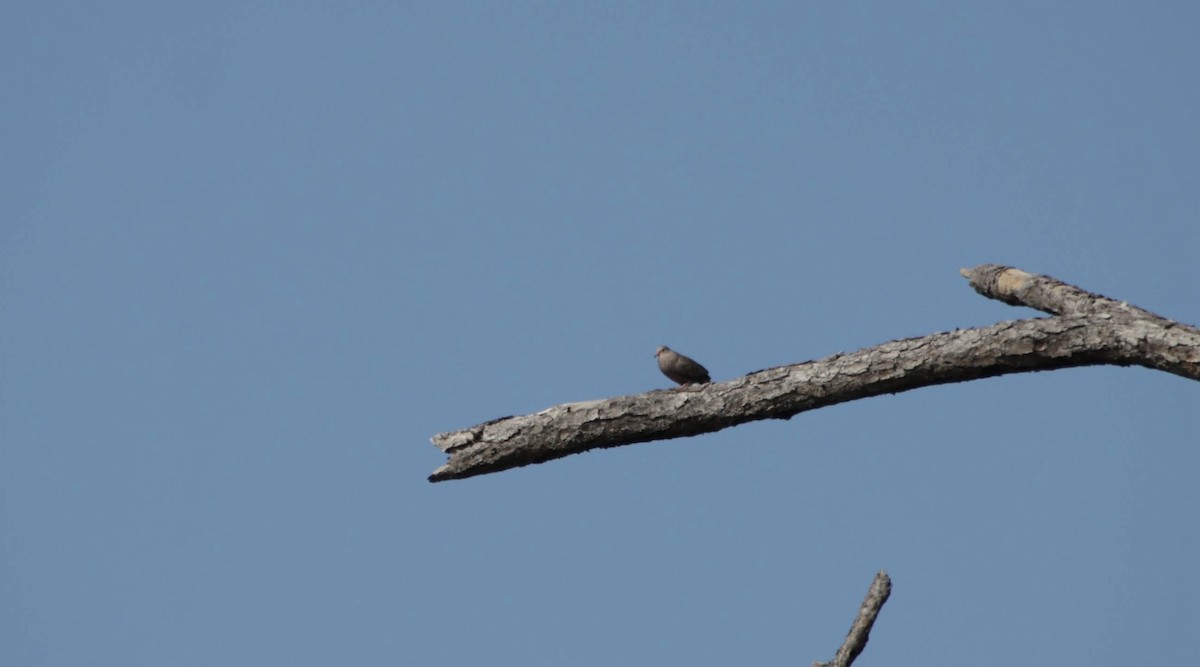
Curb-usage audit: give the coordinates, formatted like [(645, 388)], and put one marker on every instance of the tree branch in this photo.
[(1086, 330), (860, 630)]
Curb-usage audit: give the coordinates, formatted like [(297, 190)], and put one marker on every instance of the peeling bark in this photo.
[(1085, 330)]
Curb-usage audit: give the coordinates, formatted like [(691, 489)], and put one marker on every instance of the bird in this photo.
[(679, 368)]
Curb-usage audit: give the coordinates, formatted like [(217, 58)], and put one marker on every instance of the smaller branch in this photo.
[(860, 631), (1018, 288)]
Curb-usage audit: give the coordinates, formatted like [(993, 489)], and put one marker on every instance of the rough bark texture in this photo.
[(860, 631), (1086, 330)]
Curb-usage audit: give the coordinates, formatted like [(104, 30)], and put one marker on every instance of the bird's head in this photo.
[(661, 349)]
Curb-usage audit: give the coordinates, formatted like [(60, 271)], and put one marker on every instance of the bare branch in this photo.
[(860, 630), (1091, 330), (1017, 288)]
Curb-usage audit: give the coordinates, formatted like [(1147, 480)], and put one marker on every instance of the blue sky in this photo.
[(254, 254)]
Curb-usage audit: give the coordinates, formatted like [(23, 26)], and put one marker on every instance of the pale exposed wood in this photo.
[(1086, 330)]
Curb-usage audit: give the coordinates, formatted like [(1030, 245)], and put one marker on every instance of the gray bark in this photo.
[(1085, 330), (860, 630)]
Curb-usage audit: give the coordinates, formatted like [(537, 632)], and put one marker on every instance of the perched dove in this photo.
[(679, 368)]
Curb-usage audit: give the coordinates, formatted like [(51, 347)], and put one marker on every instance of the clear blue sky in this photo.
[(252, 255)]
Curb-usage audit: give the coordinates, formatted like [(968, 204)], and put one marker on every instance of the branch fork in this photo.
[(1085, 330)]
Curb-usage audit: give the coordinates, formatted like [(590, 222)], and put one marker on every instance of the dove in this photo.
[(679, 368)]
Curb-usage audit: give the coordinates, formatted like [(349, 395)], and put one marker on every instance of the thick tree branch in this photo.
[(1086, 330), (860, 630)]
